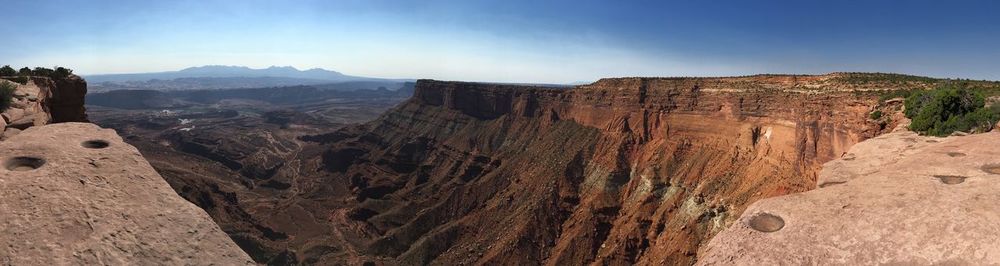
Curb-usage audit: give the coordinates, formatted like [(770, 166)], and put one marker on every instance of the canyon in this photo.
[(621, 171), (618, 172)]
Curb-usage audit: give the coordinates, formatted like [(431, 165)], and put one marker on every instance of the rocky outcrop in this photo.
[(899, 198), (622, 171), (73, 193), (44, 100), (67, 99)]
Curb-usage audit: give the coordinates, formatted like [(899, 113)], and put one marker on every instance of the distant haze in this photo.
[(229, 72), (231, 77), (558, 41)]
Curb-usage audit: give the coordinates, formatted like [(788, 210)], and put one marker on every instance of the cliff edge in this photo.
[(623, 171), (73, 193), (899, 199)]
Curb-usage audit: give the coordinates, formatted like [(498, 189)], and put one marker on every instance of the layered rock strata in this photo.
[(622, 171)]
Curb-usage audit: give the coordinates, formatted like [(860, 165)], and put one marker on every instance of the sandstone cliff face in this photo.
[(899, 199), (622, 171), (73, 193), (42, 101)]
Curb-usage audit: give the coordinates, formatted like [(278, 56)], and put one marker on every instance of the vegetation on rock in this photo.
[(23, 73), (6, 70), (875, 115), (862, 78), (945, 110), (6, 95)]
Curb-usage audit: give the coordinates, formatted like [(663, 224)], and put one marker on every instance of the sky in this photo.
[(510, 41)]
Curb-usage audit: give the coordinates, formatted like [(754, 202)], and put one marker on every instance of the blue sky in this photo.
[(510, 41)]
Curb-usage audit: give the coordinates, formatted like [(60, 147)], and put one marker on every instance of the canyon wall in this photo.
[(621, 171)]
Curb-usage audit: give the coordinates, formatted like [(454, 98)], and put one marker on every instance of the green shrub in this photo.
[(24, 71), (7, 71), (19, 79), (61, 72), (6, 95), (875, 115), (41, 71), (942, 111)]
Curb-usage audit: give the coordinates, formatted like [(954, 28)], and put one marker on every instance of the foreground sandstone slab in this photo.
[(74, 193), (896, 199)]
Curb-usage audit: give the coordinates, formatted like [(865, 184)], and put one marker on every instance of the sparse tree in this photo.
[(6, 70), (41, 71), (6, 95), (62, 72)]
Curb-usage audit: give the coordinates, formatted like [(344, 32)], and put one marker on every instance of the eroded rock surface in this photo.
[(899, 198), (623, 171), (43, 100), (73, 193)]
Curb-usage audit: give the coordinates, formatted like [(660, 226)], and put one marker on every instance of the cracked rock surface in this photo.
[(74, 193)]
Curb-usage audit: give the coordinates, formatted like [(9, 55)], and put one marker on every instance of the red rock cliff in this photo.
[(43, 100), (622, 171)]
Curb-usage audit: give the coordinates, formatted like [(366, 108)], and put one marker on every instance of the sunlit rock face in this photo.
[(75, 194), (622, 171), (43, 100), (898, 198)]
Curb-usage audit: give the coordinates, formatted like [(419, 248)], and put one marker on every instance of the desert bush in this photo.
[(19, 79), (41, 71), (875, 115), (6, 70), (941, 111), (863, 78), (6, 95), (61, 72), (24, 71)]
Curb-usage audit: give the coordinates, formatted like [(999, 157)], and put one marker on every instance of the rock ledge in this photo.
[(74, 193), (896, 199)]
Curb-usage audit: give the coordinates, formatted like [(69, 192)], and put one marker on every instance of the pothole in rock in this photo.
[(956, 154), (766, 222), (23, 163), (992, 168), (950, 179), (932, 141), (95, 144)]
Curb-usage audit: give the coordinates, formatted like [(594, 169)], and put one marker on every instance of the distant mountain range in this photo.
[(229, 77)]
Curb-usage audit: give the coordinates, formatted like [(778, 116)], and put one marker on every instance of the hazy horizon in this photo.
[(511, 41)]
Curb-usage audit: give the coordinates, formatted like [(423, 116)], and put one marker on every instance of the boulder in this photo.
[(66, 103), (9, 132), (24, 122), (12, 114)]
